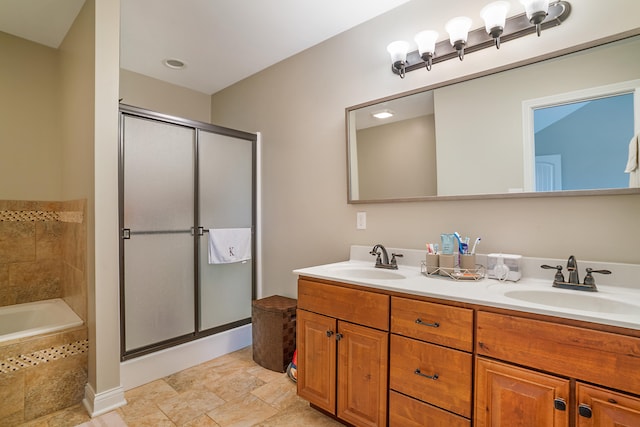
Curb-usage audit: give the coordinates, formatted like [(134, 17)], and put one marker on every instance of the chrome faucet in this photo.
[(572, 268), (589, 284), (384, 262)]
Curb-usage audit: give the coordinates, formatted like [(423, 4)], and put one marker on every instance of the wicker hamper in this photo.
[(274, 331)]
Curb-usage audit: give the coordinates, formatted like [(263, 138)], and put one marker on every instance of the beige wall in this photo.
[(397, 160), (155, 95), (299, 105), (30, 131), (76, 101), (77, 80)]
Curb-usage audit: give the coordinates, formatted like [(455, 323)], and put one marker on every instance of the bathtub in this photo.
[(35, 318)]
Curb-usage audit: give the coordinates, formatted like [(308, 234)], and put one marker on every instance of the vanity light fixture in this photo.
[(383, 114), (539, 14), (494, 16), (458, 29)]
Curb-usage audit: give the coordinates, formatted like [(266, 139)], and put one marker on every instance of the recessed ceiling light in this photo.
[(384, 114), (174, 63)]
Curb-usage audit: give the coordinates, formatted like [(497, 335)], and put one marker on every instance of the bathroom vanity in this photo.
[(376, 349)]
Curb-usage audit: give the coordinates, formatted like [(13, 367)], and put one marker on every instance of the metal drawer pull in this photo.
[(433, 325), (329, 333), (431, 377), (584, 410), (560, 404)]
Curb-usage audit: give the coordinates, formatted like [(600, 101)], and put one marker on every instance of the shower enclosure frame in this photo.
[(196, 230)]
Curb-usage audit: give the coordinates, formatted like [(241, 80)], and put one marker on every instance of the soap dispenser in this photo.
[(501, 271)]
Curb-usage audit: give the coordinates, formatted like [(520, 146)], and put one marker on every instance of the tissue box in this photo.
[(511, 271)]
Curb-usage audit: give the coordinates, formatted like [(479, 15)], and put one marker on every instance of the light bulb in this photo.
[(458, 29), (426, 41), (494, 16), (398, 52)]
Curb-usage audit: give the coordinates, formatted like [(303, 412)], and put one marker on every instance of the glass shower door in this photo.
[(158, 245), (226, 199)]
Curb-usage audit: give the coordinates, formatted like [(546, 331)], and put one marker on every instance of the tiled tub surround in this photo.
[(43, 250), (41, 375), (43, 256)]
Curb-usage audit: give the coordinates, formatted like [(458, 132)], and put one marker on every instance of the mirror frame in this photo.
[(567, 51)]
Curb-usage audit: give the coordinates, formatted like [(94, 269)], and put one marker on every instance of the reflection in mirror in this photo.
[(582, 145), (481, 143), (396, 152)]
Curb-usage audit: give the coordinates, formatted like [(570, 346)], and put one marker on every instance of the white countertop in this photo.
[(490, 292)]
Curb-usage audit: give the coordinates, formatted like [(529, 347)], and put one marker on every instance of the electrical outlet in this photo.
[(361, 220)]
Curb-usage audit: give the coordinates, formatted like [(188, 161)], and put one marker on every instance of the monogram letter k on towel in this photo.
[(228, 245)]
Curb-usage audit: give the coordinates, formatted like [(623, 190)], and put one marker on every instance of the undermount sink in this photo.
[(575, 301), (370, 273)]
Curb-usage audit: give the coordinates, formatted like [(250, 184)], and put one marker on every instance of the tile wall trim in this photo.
[(45, 355), (76, 217)]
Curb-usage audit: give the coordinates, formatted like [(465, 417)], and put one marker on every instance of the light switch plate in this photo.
[(361, 220)]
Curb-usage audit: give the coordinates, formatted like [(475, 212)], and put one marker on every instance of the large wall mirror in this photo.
[(556, 127)]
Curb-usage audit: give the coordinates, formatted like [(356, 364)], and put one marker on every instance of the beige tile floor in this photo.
[(231, 390)]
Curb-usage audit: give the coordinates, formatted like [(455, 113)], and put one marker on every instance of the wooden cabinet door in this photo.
[(362, 375), (316, 343), (603, 408), (508, 396)]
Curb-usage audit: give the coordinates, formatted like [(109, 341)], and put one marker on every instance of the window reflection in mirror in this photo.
[(583, 145), (580, 140)]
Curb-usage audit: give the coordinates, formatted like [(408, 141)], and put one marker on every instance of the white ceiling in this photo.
[(221, 41), (41, 21)]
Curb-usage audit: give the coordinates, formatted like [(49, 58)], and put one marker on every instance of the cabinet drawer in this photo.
[(412, 361), (353, 305), (604, 358), (436, 323), (407, 412)]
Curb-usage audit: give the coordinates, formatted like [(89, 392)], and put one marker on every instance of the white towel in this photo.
[(228, 245), (633, 168)]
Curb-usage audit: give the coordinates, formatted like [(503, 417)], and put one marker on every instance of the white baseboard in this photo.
[(101, 403), (150, 367)]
